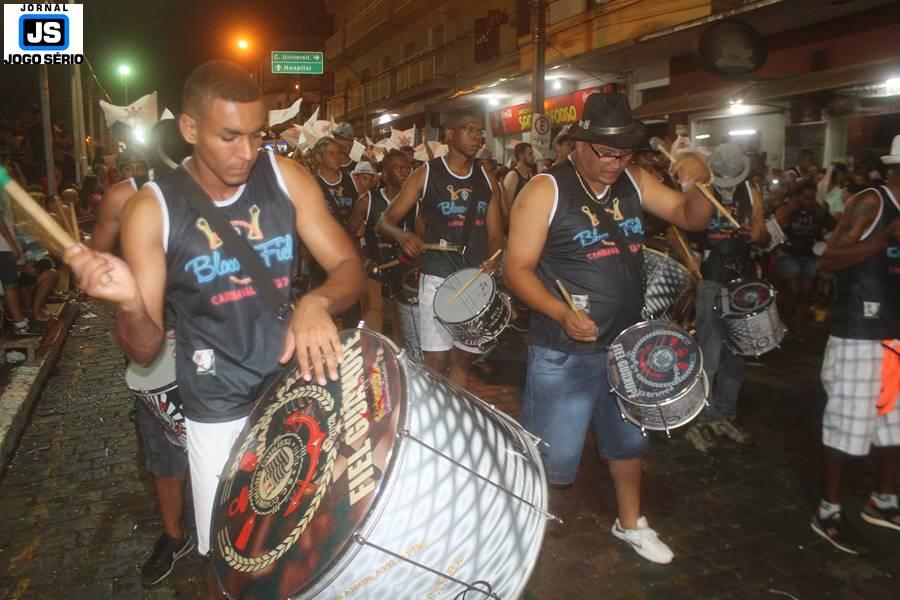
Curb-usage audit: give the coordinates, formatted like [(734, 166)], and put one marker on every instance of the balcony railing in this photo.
[(428, 69)]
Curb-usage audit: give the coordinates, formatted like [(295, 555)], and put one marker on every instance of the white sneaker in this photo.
[(645, 542)]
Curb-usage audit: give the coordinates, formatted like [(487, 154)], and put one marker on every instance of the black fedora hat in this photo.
[(607, 120)]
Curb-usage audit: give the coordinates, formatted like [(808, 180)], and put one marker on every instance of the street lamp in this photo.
[(243, 44), (124, 72)]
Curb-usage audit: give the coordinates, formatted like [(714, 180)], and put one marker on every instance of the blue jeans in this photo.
[(564, 393)]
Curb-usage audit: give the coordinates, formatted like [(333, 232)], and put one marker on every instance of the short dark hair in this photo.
[(390, 156), (520, 149), (217, 79), (454, 118)]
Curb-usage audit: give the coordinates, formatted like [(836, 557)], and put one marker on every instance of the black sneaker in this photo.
[(838, 533), (165, 554), (882, 517)]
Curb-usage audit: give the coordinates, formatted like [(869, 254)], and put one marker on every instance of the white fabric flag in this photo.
[(292, 134), (167, 114), (140, 113), (437, 149), (284, 114), (356, 152), (313, 132), (403, 138)]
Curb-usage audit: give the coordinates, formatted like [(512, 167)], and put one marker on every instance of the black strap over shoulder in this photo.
[(471, 217), (249, 259)]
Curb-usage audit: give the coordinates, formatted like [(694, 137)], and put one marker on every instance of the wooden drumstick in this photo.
[(657, 144), (440, 248), (471, 279), (566, 295), (687, 255), (40, 216)]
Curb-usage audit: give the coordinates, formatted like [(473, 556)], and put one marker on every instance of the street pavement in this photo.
[(79, 515)]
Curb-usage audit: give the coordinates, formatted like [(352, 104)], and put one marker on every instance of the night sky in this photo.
[(163, 40)]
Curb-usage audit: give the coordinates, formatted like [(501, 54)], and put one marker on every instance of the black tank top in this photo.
[(867, 305), (803, 231), (729, 253), (520, 183), (444, 203), (379, 249), (340, 196), (587, 261), (228, 338)]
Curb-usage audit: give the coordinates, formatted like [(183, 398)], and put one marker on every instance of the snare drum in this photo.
[(389, 483), (750, 315), (155, 386), (477, 316), (667, 285), (656, 371)]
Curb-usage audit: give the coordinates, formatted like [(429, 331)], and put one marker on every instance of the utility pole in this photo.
[(540, 29), (48, 135), (79, 146)]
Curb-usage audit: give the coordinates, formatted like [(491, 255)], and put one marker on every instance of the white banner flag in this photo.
[(167, 114), (140, 113), (284, 114)]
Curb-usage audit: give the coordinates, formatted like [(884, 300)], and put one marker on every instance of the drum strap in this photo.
[(471, 217), (250, 261)]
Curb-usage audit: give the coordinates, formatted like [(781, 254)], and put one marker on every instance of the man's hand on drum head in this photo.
[(412, 245), (579, 326), (102, 275), (314, 337)]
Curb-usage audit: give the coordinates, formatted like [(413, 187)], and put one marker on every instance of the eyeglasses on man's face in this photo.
[(473, 130), (623, 157)]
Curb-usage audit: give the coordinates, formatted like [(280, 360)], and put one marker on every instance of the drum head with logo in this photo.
[(470, 303), (653, 362), (305, 471), (747, 297)]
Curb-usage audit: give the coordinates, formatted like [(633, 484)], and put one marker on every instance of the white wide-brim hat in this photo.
[(894, 157)]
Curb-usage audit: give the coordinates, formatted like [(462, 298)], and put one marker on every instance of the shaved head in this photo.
[(214, 80)]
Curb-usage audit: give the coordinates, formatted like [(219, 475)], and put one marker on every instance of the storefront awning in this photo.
[(829, 79), (767, 91), (710, 99)]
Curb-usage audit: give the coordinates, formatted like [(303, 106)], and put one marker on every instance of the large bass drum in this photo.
[(389, 483)]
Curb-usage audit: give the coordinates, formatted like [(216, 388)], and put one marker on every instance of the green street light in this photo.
[(124, 72)]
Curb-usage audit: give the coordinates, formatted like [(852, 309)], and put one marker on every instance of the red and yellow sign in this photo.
[(561, 110)]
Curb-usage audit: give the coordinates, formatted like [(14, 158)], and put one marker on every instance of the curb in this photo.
[(25, 385)]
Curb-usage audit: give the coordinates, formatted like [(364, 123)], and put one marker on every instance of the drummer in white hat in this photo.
[(726, 256)]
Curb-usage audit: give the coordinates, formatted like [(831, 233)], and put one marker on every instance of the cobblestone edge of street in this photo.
[(25, 386)]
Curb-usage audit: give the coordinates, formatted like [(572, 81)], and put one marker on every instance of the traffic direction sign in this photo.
[(303, 63)]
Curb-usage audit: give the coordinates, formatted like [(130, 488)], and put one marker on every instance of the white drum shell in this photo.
[(756, 333), (669, 414), (439, 514)]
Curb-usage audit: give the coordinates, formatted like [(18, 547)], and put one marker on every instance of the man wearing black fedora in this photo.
[(726, 256), (581, 223)]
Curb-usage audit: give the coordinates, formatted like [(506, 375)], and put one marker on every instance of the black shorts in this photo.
[(8, 275)]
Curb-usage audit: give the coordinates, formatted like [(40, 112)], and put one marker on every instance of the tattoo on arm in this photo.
[(856, 218)]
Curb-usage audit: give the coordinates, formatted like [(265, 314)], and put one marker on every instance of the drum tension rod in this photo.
[(359, 539), (405, 433)]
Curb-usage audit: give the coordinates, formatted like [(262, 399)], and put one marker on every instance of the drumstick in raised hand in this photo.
[(471, 279), (566, 295), (687, 255), (40, 216), (657, 144)]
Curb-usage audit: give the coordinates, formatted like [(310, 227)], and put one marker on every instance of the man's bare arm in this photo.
[(139, 320), (358, 216), (109, 216), (845, 249), (759, 235), (404, 202), (690, 211)]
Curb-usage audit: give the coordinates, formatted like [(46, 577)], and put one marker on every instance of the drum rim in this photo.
[(367, 524), (684, 392), (168, 343), (480, 312), (622, 402)]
